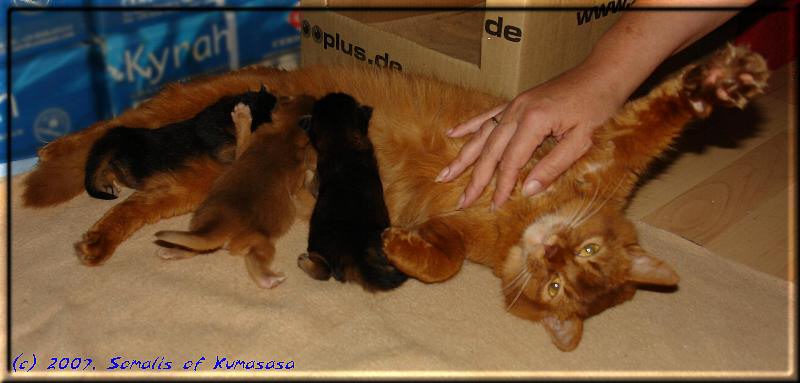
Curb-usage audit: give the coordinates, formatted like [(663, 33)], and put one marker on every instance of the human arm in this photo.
[(572, 105)]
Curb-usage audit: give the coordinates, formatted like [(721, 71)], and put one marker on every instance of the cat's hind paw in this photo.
[(314, 265), (730, 77)]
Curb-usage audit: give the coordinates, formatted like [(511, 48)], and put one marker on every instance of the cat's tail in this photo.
[(59, 174), (211, 229), (377, 273), (97, 167)]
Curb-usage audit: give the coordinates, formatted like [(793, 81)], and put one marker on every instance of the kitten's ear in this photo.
[(305, 123), (565, 333), (367, 111), (647, 269)]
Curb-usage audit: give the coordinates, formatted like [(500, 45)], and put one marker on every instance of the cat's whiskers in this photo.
[(513, 281), (577, 210), (521, 289), (580, 216), (602, 203), (581, 208)]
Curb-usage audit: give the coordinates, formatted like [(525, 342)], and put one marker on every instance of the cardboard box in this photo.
[(500, 51)]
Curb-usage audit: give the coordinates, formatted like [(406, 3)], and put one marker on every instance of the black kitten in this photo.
[(350, 214), (131, 155)]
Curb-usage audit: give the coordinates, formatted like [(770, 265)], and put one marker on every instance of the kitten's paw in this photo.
[(730, 77), (269, 281), (314, 265), (241, 115), (93, 250)]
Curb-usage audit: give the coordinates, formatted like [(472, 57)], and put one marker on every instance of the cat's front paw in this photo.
[(241, 115), (412, 255), (93, 250), (730, 77)]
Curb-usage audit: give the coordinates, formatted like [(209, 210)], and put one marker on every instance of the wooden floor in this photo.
[(730, 185)]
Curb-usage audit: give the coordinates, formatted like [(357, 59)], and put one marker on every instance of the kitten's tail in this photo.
[(198, 240), (377, 273), (97, 164)]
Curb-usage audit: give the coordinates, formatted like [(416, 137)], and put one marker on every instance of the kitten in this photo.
[(253, 202), (131, 155), (350, 214), (561, 256)]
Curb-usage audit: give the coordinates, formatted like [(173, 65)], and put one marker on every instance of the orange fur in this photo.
[(531, 237), (164, 195), (252, 204)]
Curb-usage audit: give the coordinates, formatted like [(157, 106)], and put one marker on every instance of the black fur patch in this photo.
[(134, 154), (350, 213)]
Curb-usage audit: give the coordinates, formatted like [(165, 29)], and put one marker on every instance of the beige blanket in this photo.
[(725, 319)]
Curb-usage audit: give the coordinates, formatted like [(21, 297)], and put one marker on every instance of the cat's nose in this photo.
[(550, 252)]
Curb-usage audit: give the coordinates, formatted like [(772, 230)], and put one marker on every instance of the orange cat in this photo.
[(563, 255)]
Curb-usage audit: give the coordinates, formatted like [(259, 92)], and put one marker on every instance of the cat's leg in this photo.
[(258, 260), (242, 120), (431, 252), (167, 195), (647, 126)]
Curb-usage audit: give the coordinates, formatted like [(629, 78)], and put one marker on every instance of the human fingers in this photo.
[(468, 153), (574, 145), (473, 124), (487, 163), (530, 134)]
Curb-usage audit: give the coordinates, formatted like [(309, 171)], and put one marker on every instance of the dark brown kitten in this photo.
[(350, 214)]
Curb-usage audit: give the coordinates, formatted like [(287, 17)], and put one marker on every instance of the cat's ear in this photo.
[(647, 269), (305, 123), (565, 333)]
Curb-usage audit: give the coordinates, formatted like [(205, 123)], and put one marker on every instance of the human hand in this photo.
[(569, 108)]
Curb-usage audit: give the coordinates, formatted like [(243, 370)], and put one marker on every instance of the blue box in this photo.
[(140, 62), (126, 20), (37, 29), (112, 60), (53, 94), (263, 34)]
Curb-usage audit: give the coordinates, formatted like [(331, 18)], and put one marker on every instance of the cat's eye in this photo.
[(589, 249), (553, 287)]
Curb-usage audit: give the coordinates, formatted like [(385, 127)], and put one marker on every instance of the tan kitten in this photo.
[(253, 202)]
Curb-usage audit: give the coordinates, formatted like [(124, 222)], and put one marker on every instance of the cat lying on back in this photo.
[(350, 214), (256, 200), (562, 256), (131, 155)]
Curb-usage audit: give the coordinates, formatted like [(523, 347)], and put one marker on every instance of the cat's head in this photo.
[(262, 104), (338, 122), (576, 262)]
